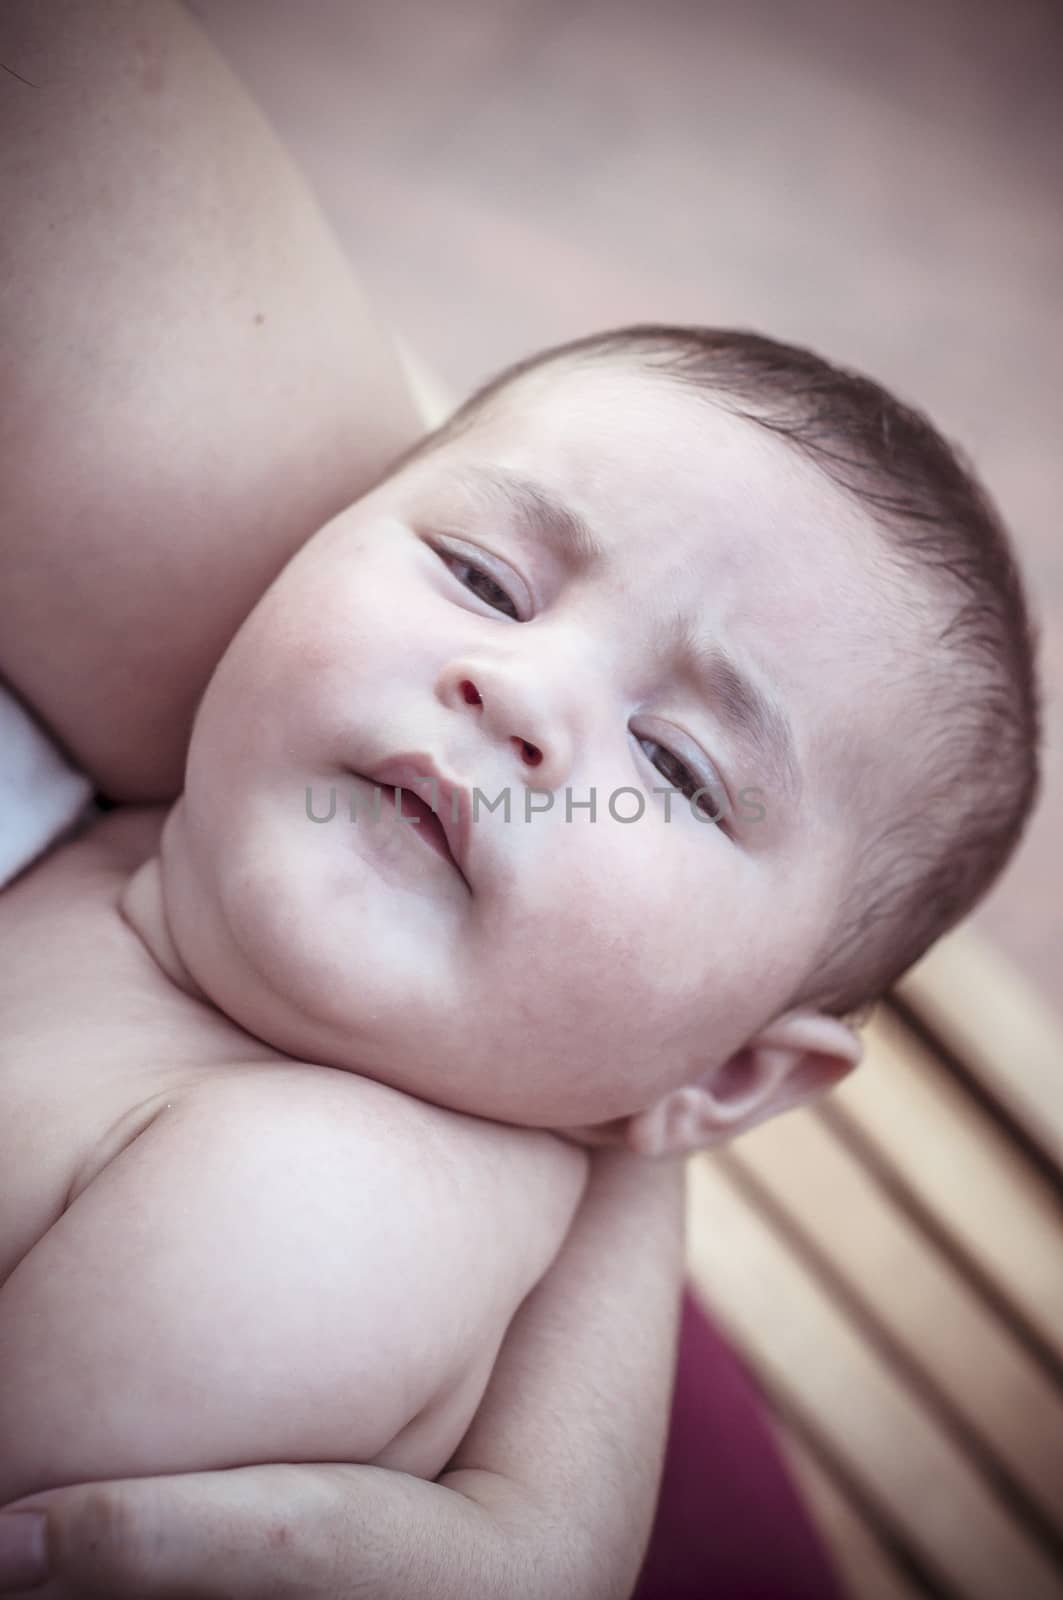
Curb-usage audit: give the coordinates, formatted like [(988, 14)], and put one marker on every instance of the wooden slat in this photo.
[(962, 1169), (806, 1349), (864, 1566), (913, 1301), (992, 1020)]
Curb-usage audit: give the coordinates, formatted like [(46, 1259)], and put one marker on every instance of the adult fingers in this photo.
[(250, 1533)]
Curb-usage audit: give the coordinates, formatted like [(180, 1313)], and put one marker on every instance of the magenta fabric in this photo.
[(730, 1524)]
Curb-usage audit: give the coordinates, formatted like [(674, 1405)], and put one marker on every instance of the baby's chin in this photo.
[(292, 1010)]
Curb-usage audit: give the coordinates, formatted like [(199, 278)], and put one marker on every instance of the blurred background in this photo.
[(881, 182)]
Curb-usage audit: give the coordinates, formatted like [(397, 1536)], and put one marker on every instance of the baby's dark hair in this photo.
[(979, 695)]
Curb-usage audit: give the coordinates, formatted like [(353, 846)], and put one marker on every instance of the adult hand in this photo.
[(319, 1532)]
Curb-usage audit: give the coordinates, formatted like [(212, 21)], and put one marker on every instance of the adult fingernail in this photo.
[(23, 1550)]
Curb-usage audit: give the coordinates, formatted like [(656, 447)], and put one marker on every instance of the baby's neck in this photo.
[(142, 907)]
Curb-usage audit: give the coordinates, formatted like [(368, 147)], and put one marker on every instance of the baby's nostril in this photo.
[(531, 753), (470, 693)]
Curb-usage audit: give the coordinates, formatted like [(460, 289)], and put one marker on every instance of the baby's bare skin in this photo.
[(191, 1220)]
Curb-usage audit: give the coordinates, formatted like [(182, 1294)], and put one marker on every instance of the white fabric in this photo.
[(41, 794)]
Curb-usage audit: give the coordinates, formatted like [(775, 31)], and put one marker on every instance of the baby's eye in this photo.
[(679, 776), (480, 583)]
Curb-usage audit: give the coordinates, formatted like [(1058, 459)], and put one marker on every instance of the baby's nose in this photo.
[(529, 753), (512, 708)]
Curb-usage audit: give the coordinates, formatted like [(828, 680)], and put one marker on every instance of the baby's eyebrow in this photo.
[(755, 717), (563, 528)]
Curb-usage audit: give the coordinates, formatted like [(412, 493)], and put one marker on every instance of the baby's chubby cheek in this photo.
[(601, 942)]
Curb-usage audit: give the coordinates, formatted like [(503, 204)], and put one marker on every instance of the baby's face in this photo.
[(575, 967)]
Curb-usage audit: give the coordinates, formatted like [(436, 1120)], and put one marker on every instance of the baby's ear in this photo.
[(795, 1059)]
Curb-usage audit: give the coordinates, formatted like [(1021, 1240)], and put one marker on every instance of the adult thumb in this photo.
[(248, 1533)]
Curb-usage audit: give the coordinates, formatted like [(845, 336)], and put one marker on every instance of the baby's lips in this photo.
[(449, 800)]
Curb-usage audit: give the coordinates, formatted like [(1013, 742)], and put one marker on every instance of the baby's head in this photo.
[(661, 558)]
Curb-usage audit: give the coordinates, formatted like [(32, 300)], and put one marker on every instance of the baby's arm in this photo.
[(551, 1492), (271, 1271), (190, 380), (565, 1453)]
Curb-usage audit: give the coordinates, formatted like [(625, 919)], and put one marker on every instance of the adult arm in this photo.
[(191, 382), (551, 1492)]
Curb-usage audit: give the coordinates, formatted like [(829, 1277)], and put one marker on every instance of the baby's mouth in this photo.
[(427, 825), (443, 819)]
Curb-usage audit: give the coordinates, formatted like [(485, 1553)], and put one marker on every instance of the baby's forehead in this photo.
[(720, 521), (648, 461), (632, 438)]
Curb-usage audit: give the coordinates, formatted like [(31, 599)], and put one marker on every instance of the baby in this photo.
[(579, 784)]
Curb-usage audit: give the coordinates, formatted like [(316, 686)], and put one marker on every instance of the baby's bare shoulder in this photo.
[(283, 1229), (498, 1198), (393, 1238)]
